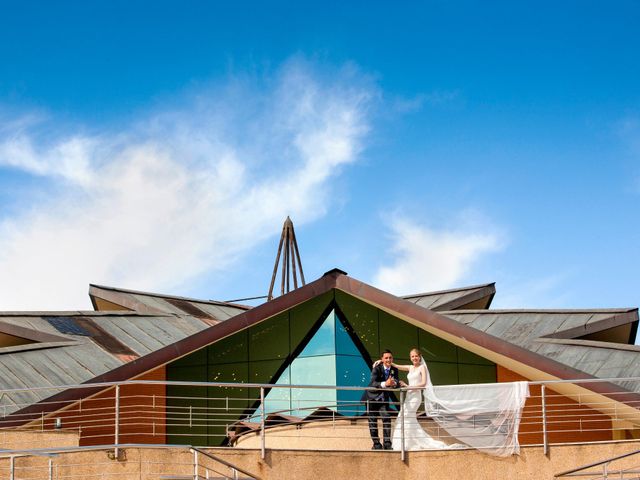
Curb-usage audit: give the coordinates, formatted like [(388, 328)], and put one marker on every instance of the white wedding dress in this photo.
[(483, 416), (415, 438)]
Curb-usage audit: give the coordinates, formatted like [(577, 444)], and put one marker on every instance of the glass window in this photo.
[(269, 339), (476, 373), (344, 342), (234, 348), (312, 371), (305, 315), (187, 374), (265, 371), (435, 348), (199, 357), (324, 340), (186, 407), (351, 372), (443, 373), (279, 399), (397, 335), (465, 356), (228, 373), (363, 318)]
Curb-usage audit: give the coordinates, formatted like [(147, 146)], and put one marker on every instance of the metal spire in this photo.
[(290, 256)]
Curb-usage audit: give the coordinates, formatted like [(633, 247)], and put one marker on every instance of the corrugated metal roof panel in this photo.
[(87, 358), (451, 299), (153, 302)]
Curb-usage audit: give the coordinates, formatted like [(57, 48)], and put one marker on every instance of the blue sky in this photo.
[(418, 146)]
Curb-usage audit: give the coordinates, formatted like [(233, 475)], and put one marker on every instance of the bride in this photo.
[(415, 438), (483, 416)]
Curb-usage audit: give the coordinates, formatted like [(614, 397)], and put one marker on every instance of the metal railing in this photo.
[(68, 463), (610, 468), (214, 414)]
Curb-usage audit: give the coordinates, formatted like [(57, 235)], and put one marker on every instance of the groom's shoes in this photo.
[(387, 446), (377, 446)]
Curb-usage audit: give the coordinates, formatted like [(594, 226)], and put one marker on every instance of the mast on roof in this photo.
[(290, 257)]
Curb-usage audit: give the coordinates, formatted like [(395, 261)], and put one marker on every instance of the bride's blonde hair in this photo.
[(415, 350)]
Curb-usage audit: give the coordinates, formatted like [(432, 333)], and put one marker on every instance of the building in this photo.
[(326, 332)]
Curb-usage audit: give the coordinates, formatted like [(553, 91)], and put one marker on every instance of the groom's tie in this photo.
[(386, 373)]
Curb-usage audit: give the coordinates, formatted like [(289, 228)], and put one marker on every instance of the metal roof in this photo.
[(524, 327), (158, 331), (146, 302), (480, 296), (73, 347), (556, 334), (113, 340)]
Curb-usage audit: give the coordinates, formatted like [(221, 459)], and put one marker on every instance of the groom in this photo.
[(383, 376)]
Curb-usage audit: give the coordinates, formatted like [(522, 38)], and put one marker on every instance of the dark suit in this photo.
[(379, 402)]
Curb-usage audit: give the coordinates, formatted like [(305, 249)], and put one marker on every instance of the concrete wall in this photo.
[(149, 464), (327, 435), (26, 439), (531, 464)]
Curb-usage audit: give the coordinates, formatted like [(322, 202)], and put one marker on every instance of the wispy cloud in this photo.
[(183, 191), (425, 258)]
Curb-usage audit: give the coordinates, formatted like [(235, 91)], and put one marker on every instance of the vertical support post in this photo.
[(12, 468), (117, 423), (402, 451), (545, 441), (154, 415), (262, 424), (195, 464), (50, 469)]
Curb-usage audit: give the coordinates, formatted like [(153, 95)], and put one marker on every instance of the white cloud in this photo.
[(182, 192), (426, 259)]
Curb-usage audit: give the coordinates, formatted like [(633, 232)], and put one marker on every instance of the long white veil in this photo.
[(484, 416)]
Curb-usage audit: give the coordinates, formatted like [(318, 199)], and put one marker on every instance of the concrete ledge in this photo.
[(148, 464), (531, 464), (25, 439)]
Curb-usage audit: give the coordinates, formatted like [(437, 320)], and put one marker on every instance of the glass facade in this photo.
[(378, 330), (330, 358), (330, 340)]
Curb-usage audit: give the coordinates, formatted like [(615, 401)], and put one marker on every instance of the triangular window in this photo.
[(330, 358)]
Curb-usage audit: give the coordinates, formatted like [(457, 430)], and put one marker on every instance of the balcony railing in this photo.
[(172, 463), (281, 416), (625, 466)]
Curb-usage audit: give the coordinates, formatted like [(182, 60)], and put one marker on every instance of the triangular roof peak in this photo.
[(334, 272)]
